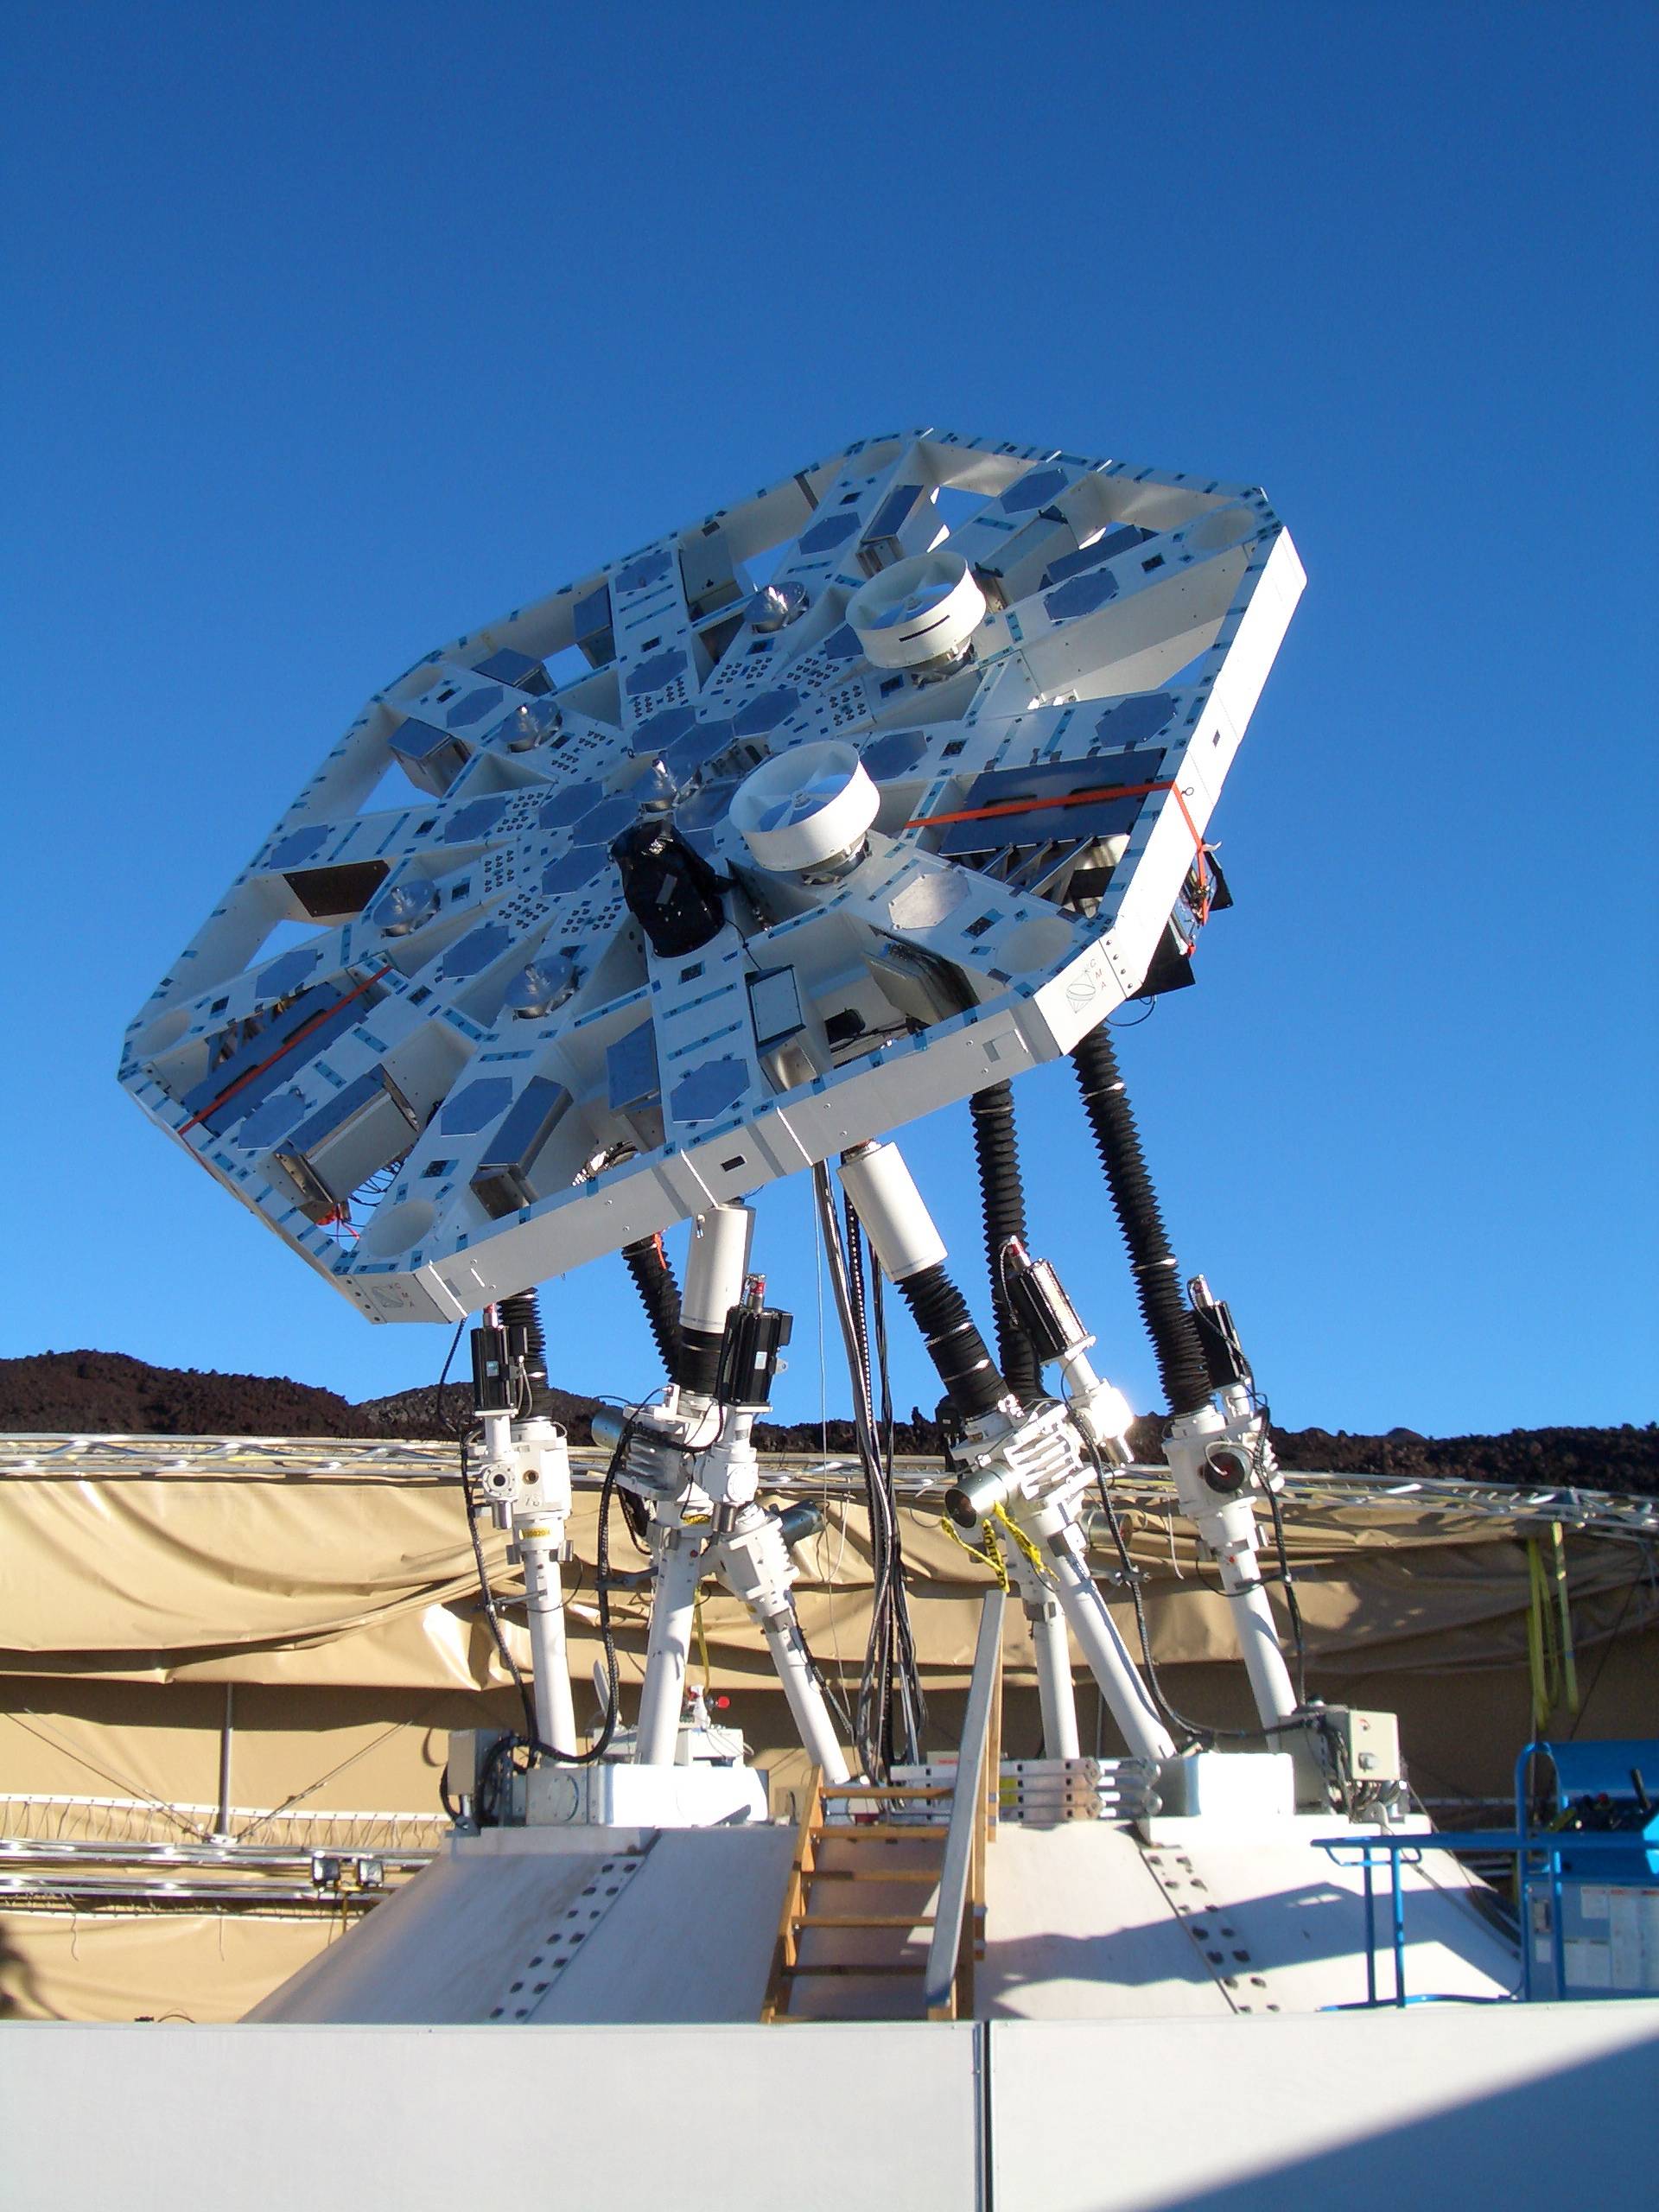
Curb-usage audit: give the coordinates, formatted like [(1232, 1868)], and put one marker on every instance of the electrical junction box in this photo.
[(468, 1749), (1343, 1748), (1372, 1743)]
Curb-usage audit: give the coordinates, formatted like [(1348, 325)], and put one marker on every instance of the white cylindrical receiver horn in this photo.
[(807, 808), (918, 612)]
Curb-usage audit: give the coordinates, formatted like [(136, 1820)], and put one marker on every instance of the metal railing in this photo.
[(1524, 1848), (947, 1984)]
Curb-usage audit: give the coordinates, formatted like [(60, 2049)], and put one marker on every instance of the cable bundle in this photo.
[(890, 1711)]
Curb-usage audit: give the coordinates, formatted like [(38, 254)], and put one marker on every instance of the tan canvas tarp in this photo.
[(369, 1583)]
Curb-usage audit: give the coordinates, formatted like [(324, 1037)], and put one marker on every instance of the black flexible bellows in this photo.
[(524, 1310), (659, 1294), (1157, 1278), (1003, 1197), (954, 1344)]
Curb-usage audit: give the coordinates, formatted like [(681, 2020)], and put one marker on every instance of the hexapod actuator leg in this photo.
[(692, 1460), (678, 1556), (1218, 1458), (1030, 1464), (525, 1477)]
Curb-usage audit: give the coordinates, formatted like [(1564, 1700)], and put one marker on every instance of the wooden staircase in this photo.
[(857, 1919), (883, 1913)]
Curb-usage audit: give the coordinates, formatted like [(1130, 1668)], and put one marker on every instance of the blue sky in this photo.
[(334, 331)]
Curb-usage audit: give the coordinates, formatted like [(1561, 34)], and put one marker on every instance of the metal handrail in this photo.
[(963, 1842), (1518, 1844)]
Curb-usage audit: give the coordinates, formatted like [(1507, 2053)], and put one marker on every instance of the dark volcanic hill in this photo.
[(106, 1393)]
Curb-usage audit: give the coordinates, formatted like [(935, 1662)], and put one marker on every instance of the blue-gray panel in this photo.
[(709, 1090), (764, 713), (298, 846), (287, 974), (473, 707), (654, 671), (1032, 491), (1081, 596), (1037, 823), (477, 948), (475, 1106), (825, 535)]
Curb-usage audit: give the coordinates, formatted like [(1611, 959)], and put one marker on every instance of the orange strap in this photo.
[(1069, 799)]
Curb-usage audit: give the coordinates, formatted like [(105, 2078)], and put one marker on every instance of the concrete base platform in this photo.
[(541, 1925), (1085, 1921)]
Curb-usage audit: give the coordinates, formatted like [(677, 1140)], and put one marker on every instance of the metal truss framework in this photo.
[(1140, 1488), (425, 1036)]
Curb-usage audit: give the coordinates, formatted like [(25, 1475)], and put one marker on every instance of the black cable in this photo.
[(1263, 1469), (486, 1798), (874, 1711), (491, 1612), (913, 1701), (1174, 1721), (861, 1320), (438, 1421), (890, 1647), (1584, 1703)]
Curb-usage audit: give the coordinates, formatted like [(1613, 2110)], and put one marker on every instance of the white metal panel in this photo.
[(1522, 2105), (443, 1950), (528, 1926), (354, 2119), (1078, 1929)]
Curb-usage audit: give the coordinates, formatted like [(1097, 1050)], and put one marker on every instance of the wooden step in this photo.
[(928, 1874), (860, 1967), (884, 1831), (864, 1920)]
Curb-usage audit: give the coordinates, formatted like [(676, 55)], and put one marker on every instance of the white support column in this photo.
[(1102, 1647), (806, 1701), (680, 1565), (1052, 1650), (752, 1561), (540, 1541)]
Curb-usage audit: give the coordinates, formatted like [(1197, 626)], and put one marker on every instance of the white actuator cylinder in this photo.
[(892, 1211), (668, 1651), (715, 1267)]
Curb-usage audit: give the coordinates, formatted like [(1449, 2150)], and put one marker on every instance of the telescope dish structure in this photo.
[(427, 1038)]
